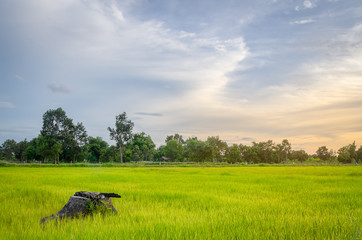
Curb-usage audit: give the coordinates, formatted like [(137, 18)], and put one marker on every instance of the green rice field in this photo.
[(187, 202)]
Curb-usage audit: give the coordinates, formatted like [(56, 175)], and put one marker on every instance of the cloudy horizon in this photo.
[(241, 70)]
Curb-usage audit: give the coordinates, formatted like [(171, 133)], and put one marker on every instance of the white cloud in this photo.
[(308, 4), (6, 105), (18, 77), (103, 37), (149, 114), (59, 87), (117, 13), (325, 95), (95, 36), (304, 21)]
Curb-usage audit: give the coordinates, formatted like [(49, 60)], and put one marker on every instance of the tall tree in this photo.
[(49, 148), (176, 137), (173, 150), (359, 154), (72, 136), (299, 155), (265, 151), (250, 153), (323, 153), (8, 149), (287, 148), (218, 148), (142, 146), (233, 154), (122, 133), (31, 152), (20, 150), (198, 151), (348, 154), (97, 149)]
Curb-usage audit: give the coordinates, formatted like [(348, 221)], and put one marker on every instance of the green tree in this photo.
[(20, 149), (218, 148), (8, 149), (282, 151), (174, 150), (352, 151), (112, 153), (122, 133), (72, 136), (348, 154), (279, 150), (145, 147), (323, 153), (299, 155), (77, 140), (359, 154), (344, 155), (198, 151), (160, 152), (176, 137), (265, 151), (137, 154), (97, 149), (49, 148), (287, 148), (31, 152), (233, 154), (250, 153)]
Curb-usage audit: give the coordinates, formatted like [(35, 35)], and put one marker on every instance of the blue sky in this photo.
[(243, 70)]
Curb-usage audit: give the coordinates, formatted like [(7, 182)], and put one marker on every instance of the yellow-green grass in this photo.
[(187, 203)]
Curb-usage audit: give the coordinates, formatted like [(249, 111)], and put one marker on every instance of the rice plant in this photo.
[(187, 203)]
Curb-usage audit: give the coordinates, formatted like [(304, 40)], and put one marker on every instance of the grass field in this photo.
[(187, 203)]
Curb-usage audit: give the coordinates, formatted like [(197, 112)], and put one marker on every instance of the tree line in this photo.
[(61, 140)]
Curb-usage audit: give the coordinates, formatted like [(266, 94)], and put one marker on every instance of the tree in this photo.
[(299, 155), (72, 136), (49, 148), (112, 153), (279, 149), (198, 151), (286, 148), (265, 151), (250, 153), (8, 149), (97, 149), (323, 153), (176, 137), (352, 151), (20, 149), (218, 148), (143, 145), (173, 150), (359, 154), (348, 154), (31, 152), (233, 154), (77, 141), (122, 133)]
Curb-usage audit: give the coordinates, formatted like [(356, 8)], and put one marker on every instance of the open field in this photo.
[(188, 203)]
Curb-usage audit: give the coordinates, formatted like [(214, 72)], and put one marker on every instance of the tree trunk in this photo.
[(84, 203), (121, 152)]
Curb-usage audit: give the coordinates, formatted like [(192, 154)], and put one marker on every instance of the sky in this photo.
[(243, 70)]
